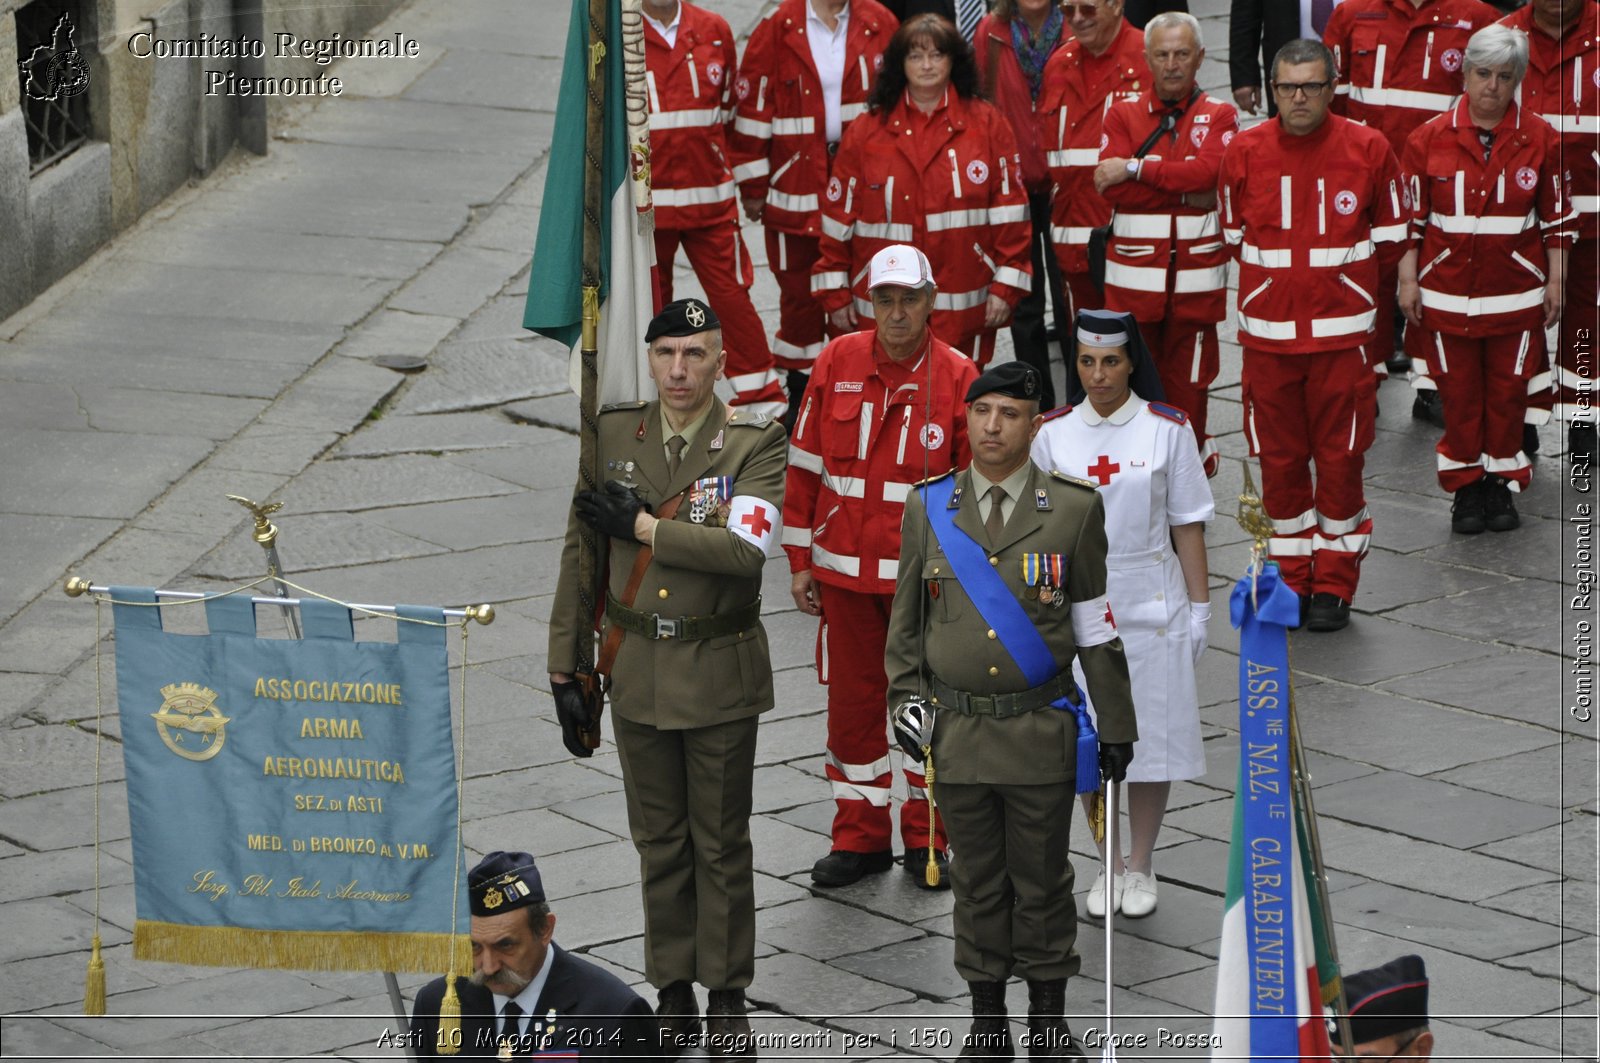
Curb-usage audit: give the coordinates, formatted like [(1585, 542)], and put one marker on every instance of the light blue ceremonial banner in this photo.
[(292, 801), (1262, 607)]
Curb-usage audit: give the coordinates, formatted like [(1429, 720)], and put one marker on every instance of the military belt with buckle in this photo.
[(1001, 706), (687, 628)]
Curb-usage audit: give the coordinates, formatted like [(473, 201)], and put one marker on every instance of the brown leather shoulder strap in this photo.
[(613, 642)]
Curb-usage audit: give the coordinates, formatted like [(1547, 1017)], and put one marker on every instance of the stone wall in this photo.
[(154, 124)]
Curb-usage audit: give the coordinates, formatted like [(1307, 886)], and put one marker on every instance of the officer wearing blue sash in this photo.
[(1002, 584)]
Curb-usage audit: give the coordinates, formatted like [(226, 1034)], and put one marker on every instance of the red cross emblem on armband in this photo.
[(756, 520)]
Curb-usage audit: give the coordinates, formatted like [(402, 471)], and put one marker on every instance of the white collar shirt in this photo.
[(828, 53), (528, 999), (668, 30)]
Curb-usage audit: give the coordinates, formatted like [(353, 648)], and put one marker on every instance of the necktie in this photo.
[(968, 12), (996, 521), (511, 1020), (675, 447)]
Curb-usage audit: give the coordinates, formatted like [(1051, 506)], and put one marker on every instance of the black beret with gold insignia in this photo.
[(682, 317), (1016, 379), (504, 882)]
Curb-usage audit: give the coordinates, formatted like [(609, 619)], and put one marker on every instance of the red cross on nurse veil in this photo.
[(1103, 469)]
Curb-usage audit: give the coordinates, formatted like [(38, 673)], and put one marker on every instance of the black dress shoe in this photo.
[(1499, 511), (916, 866), (1466, 513), (1328, 612), (678, 1017), (728, 1035), (1428, 407), (841, 868)]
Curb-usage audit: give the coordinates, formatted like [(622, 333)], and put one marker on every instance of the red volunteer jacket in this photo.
[(1070, 112), (1006, 84), (1400, 65), (691, 96), (1561, 87), (952, 190), (779, 140), (1151, 221), (867, 432), (1311, 218), (1482, 227)]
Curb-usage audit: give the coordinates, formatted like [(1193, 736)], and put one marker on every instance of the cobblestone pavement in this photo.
[(225, 344)]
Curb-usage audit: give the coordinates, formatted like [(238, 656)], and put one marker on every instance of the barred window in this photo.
[(55, 79)]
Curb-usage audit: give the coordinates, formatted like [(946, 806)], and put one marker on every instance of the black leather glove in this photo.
[(573, 714), (1114, 760), (612, 511)]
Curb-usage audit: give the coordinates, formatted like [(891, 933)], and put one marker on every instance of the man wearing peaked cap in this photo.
[(526, 995), (883, 411), (1389, 1011), (691, 504), (1001, 586)]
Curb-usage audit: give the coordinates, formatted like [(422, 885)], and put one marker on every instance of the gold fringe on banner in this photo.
[(94, 982), (298, 950)]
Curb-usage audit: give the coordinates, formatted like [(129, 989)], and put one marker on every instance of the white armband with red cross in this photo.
[(1092, 622), (755, 520)]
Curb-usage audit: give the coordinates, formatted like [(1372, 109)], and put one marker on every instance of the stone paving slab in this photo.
[(1380, 856), (1415, 916), (387, 331), (1569, 904), (453, 433), (1381, 729), (32, 758), (1391, 581), (120, 471), (224, 247), (458, 281), (1571, 961), (825, 929), (1512, 684), (418, 125), (331, 213), (40, 549), (1562, 776), (800, 986), (1569, 1032), (1516, 613), (1390, 801), (473, 374), (354, 485), (464, 76)]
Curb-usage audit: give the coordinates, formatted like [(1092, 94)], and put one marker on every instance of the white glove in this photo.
[(1199, 616)]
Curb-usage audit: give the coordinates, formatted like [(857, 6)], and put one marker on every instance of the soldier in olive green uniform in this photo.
[(1004, 757), (692, 672)]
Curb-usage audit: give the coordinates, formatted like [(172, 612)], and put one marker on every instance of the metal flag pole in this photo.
[(266, 536), (588, 376), (1113, 846)]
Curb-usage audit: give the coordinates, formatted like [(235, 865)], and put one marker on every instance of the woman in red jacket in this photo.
[(1491, 225), (933, 166), (1012, 43)]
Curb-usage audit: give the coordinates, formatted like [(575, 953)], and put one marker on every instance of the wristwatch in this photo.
[(1133, 169)]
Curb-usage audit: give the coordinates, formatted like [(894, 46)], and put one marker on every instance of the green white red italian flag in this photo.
[(554, 306)]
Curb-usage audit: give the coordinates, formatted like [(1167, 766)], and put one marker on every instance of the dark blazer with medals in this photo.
[(933, 615), (699, 569), (597, 1017)]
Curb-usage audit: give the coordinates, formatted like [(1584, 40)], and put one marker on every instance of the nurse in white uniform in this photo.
[(1142, 456)]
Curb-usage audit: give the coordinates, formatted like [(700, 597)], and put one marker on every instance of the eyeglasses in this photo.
[(1082, 10), (1308, 89)]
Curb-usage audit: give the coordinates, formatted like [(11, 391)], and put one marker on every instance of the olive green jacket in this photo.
[(699, 570), (941, 632)]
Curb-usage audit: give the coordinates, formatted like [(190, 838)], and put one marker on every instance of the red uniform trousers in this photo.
[(1483, 383), (1316, 409), (802, 324), (1187, 361), (1576, 371), (722, 264), (1084, 296), (856, 627)]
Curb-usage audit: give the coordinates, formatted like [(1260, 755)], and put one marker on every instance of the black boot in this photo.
[(1499, 511), (678, 1016), (1466, 512), (990, 1036), (728, 1034), (1048, 1035)]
